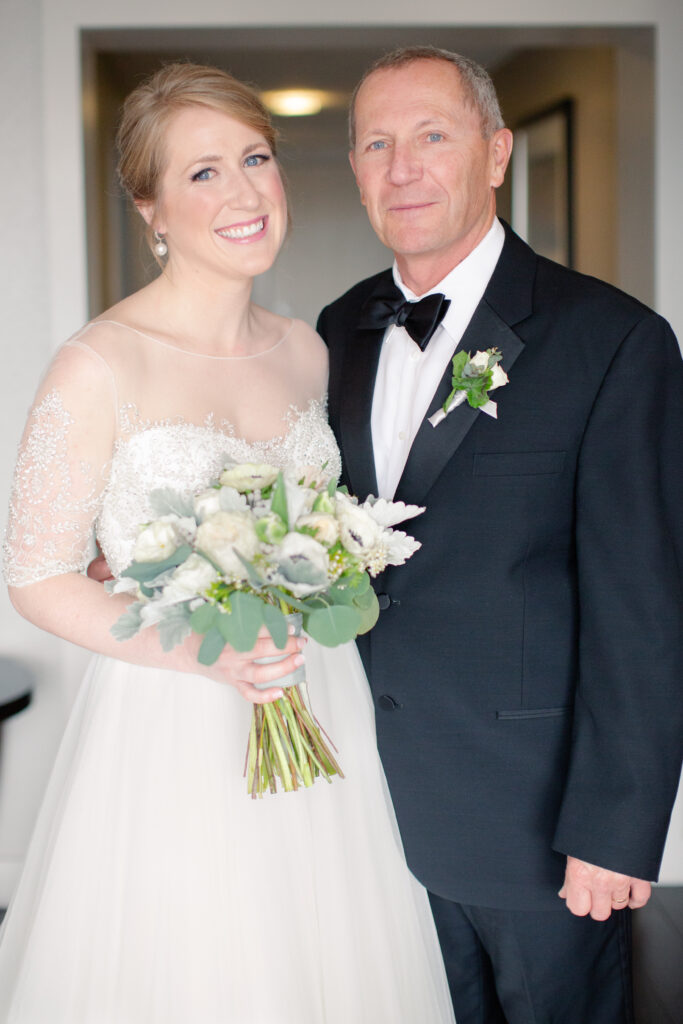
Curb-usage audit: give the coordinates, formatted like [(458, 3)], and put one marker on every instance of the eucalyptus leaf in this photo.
[(340, 595), (174, 626), (365, 599), (282, 595), (333, 626), (211, 647), (164, 501), (276, 624), (128, 624), (241, 625), (368, 610), (203, 618), (143, 572)]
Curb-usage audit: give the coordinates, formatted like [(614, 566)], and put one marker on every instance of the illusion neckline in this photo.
[(189, 352)]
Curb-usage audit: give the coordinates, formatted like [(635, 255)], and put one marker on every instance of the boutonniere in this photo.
[(473, 378)]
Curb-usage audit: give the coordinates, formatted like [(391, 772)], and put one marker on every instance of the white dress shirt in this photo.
[(407, 377)]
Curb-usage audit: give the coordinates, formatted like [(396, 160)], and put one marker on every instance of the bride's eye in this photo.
[(256, 159), (206, 174)]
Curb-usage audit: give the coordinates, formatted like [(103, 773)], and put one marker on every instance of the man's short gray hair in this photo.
[(479, 90)]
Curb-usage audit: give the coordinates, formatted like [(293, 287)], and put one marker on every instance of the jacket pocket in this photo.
[(518, 463), (535, 712)]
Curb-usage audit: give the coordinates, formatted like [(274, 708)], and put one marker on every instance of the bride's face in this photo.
[(222, 205)]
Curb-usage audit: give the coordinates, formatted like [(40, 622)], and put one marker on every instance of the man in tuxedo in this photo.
[(526, 666)]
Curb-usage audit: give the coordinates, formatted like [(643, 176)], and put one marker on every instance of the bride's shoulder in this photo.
[(307, 341)]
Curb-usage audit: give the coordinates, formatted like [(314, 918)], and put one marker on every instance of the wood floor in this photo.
[(657, 958)]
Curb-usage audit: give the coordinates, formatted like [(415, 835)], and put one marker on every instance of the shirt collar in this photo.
[(466, 282)]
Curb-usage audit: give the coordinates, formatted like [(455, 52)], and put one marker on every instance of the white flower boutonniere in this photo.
[(473, 377)]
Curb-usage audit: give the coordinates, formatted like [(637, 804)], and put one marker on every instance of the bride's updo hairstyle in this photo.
[(149, 108)]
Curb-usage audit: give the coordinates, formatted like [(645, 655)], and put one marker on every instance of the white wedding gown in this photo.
[(154, 889)]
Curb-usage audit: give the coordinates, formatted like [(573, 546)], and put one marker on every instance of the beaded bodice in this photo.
[(88, 461), (186, 457)]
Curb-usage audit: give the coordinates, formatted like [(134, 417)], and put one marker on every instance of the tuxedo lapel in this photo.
[(359, 372), (434, 446), (507, 301)]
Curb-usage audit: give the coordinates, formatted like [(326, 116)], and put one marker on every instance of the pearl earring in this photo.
[(160, 247)]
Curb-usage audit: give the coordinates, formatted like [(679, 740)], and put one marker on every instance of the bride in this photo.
[(154, 889)]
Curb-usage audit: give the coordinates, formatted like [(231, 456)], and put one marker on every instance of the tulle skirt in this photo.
[(156, 890)]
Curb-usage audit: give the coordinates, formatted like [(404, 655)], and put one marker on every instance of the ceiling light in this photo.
[(296, 102)]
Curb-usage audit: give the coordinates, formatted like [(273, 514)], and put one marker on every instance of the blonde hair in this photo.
[(149, 108)]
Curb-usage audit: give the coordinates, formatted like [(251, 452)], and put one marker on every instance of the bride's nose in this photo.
[(240, 193)]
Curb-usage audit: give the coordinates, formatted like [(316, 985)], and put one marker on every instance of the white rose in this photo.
[(193, 577), (479, 361), (224, 534), (207, 503), (358, 531), (498, 377), (156, 541), (249, 476), (325, 526)]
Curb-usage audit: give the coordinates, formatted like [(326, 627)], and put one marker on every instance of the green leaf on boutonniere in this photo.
[(459, 364)]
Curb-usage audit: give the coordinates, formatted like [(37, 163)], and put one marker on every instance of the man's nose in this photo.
[(405, 165)]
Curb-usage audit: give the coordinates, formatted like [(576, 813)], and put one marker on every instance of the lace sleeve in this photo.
[(61, 470)]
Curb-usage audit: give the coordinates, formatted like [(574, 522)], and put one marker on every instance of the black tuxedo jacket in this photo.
[(527, 666)]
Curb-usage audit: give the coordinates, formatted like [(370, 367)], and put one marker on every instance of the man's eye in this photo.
[(378, 144), (206, 174), (435, 137)]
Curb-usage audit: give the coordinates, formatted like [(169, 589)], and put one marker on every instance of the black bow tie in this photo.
[(420, 319)]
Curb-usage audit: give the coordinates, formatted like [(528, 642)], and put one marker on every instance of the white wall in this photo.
[(42, 260)]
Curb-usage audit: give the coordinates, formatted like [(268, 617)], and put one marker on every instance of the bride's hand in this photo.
[(240, 669)]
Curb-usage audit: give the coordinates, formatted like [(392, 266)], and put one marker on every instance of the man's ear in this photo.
[(352, 161), (501, 150)]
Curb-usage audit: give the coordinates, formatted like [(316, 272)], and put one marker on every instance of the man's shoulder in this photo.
[(349, 304), (576, 286), (556, 287)]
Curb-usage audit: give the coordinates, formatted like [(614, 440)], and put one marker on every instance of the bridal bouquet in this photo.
[(254, 549)]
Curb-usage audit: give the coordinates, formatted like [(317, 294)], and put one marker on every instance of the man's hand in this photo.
[(589, 889)]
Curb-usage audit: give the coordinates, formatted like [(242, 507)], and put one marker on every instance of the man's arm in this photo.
[(628, 723)]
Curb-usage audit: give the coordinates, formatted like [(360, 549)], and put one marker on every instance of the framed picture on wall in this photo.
[(542, 182)]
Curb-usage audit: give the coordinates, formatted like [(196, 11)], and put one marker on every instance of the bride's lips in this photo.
[(246, 231)]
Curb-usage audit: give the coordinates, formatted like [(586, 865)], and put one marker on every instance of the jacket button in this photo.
[(383, 600), (388, 703)]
